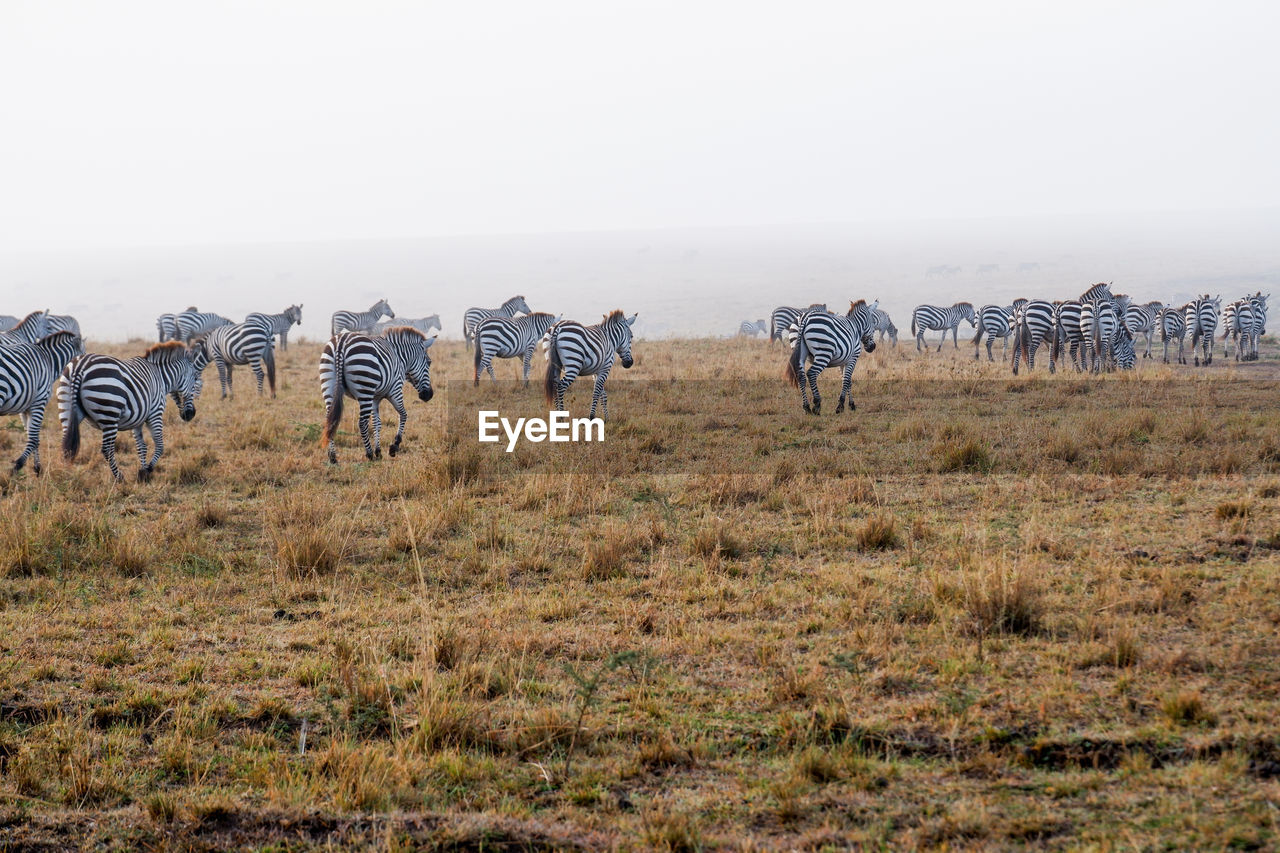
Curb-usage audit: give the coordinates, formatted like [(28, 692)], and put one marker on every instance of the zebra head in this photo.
[(432, 322), (294, 314), (201, 354), (1122, 349), (178, 371), (411, 345), (517, 305), (382, 307), (967, 313), (617, 329), (864, 322)]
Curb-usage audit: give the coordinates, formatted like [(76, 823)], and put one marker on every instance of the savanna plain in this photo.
[(981, 611)]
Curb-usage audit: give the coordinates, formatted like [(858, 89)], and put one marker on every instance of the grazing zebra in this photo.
[(251, 342), (1099, 323), (931, 317), (27, 376), (360, 321), (575, 350), (1067, 332), (1122, 348), (30, 329), (1202, 323), (167, 324), (370, 370), (509, 337), (884, 326), (192, 324), (1173, 326), (1141, 320), (114, 394), (753, 328), (423, 324), (513, 306), (994, 321), (784, 316), (827, 340), (7, 322), (1032, 324), (280, 323)]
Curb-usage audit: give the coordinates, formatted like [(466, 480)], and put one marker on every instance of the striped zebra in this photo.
[(753, 327), (575, 350), (1173, 326), (1122, 351), (513, 306), (62, 323), (426, 325), (370, 370), (7, 322), (27, 376), (784, 316), (1032, 325), (933, 318), (360, 321), (1237, 323), (280, 323), (1259, 303), (192, 324), (114, 394), (1101, 290), (1099, 324), (822, 339), (1202, 323), (994, 321), (251, 342), (167, 324), (30, 329), (884, 326), (1141, 320), (509, 337), (1066, 333)]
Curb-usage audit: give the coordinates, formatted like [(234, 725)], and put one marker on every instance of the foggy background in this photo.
[(697, 162)]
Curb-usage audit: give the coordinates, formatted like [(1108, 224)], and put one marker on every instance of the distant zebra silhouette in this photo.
[(575, 350), (822, 339), (27, 376), (941, 269), (994, 321), (784, 316), (359, 321), (983, 269), (513, 306), (192, 324), (753, 328), (167, 325), (933, 317), (509, 337), (884, 326), (426, 325), (1028, 266)]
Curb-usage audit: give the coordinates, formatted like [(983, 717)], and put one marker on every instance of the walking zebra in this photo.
[(827, 340), (994, 321), (114, 394), (575, 350), (1237, 323), (370, 370), (782, 318), (192, 324), (423, 324), (1099, 323), (7, 322), (30, 329), (251, 342), (27, 376), (884, 326), (753, 327), (513, 306), (932, 317), (509, 337), (1173, 326), (360, 321), (280, 323), (1259, 304), (167, 325), (1032, 323), (1202, 323), (1141, 320)]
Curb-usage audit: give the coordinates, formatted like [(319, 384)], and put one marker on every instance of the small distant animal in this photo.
[(932, 317), (983, 269), (513, 306), (360, 321), (753, 328), (823, 340), (426, 325)]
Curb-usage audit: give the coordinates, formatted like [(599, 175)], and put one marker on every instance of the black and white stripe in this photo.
[(1032, 325), (360, 321), (1067, 333), (1099, 323), (280, 323), (884, 326), (575, 350), (821, 339), (29, 329), (1173, 326), (513, 306), (509, 337), (1202, 323), (426, 325), (27, 376), (1259, 327), (753, 327), (251, 342), (167, 325), (1141, 320), (114, 394), (784, 317), (994, 321), (370, 370), (192, 324), (935, 318)]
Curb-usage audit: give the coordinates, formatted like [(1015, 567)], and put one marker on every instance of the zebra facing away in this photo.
[(1099, 325), (251, 342), (360, 321), (513, 306), (509, 337), (28, 373), (280, 323), (1202, 323), (29, 329), (1259, 305), (1032, 324), (1141, 320), (932, 317), (1067, 332), (994, 321), (784, 316), (192, 324), (167, 325), (114, 394), (575, 350), (827, 340), (884, 326), (426, 325), (1172, 323), (753, 327), (370, 370)]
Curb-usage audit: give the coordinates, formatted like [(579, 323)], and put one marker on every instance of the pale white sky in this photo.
[(143, 123)]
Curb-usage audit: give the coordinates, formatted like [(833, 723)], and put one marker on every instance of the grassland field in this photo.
[(982, 611)]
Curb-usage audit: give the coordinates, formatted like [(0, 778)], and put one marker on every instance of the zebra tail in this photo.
[(269, 360), (479, 358), (795, 361), (553, 370), (913, 324), (333, 399), (978, 336), (69, 403)]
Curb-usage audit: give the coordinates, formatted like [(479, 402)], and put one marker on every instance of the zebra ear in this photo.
[(632, 319), (875, 305), (431, 340)]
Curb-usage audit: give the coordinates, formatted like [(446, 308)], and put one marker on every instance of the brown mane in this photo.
[(165, 352), (615, 314), (404, 330)]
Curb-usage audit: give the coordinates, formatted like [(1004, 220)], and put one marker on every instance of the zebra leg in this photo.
[(597, 394), (397, 401), (943, 341), (919, 339), (567, 375), (365, 417), (812, 375), (375, 424), (846, 381), (528, 357), (140, 446), (258, 373), (991, 340), (284, 340), (224, 376), (31, 423), (109, 451), (488, 366), (155, 424)]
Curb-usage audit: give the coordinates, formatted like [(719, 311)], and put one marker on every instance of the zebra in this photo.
[(513, 306), (1032, 323), (931, 317), (251, 342), (1122, 348), (1237, 324), (423, 324), (1067, 332), (575, 350), (62, 323), (509, 337), (370, 370), (29, 329), (167, 324), (7, 322), (1202, 323), (753, 327), (884, 326), (114, 394), (827, 340), (1259, 303), (1101, 290), (280, 323), (1173, 325), (994, 321), (192, 324), (28, 373), (1141, 320), (360, 321), (1099, 323), (784, 316)]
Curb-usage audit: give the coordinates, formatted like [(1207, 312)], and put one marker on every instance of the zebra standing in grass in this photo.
[(823, 340), (784, 316), (1067, 333), (1259, 328), (1173, 326), (30, 329), (884, 326), (994, 321), (192, 324), (280, 323), (932, 317), (513, 306), (575, 350), (114, 394), (1099, 323), (423, 324), (251, 342), (753, 327), (370, 370), (1122, 350), (509, 337), (1032, 324), (27, 376), (1237, 323), (1141, 320), (1202, 323), (167, 324), (360, 321)]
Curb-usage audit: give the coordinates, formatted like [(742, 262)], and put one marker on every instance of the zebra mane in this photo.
[(166, 353), (57, 338), (616, 315), (404, 331)]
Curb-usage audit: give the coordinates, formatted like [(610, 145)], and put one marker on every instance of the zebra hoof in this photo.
[(144, 475), (333, 458), (37, 468), (393, 450), (840, 407), (807, 410), (17, 466)]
